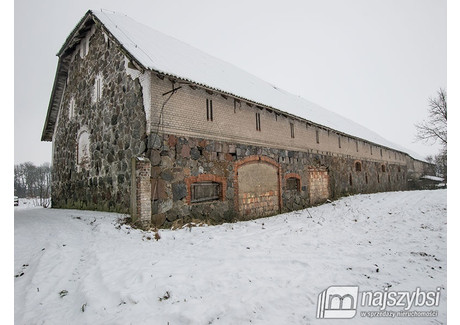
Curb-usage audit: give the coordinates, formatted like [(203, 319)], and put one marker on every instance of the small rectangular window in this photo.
[(258, 121), (209, 116), (381, 153), (292, 184), (340, 144), (371, 149), (357, 146), (292, 129), (317, 136), (205, 191)]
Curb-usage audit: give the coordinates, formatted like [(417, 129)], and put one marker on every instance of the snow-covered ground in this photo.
[(82, 267)]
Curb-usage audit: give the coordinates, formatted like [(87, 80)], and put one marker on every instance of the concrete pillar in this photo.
[(141, 188)]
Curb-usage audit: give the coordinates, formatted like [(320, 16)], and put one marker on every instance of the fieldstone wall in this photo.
[(178, 161), (115, 123)]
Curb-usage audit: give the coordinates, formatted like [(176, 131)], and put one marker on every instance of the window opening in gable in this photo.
[(98, 88), (71, 108)]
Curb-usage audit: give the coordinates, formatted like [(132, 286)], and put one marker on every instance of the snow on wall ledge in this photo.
[(144, 79), (165, 54)]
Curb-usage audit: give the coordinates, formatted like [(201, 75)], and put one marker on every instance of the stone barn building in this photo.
[(142, 123)]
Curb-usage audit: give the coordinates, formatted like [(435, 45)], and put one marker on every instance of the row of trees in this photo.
[(32, 181), (434, 130)]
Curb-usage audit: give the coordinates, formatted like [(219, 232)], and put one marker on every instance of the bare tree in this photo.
[(33, 182), (434, 129)]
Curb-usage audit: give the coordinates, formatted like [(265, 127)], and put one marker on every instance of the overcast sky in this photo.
[(375, 62)]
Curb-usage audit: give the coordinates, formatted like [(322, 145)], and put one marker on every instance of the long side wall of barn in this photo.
[(201, 135), (180, 161), (187, 112)]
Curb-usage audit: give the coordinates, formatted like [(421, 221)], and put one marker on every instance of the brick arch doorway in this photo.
[(257, 185)]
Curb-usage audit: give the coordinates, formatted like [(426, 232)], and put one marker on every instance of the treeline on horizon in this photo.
[(31, 181)]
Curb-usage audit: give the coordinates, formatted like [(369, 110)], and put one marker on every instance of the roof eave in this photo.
[(48, 128)]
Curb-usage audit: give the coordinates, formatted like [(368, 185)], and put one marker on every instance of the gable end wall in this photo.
[(116, 125)]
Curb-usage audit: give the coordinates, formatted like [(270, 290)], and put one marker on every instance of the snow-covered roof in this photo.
[(159, 52)]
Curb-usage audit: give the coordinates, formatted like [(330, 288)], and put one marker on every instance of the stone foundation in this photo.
[(178, 162)]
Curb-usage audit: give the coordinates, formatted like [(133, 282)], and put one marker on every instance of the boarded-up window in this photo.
[(292, 184), (205, 191), (98, 88), (83, 153), (71, 108)]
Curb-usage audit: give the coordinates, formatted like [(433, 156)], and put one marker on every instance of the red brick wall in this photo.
[(251, 204), (142, 205), (318, 180)]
